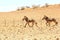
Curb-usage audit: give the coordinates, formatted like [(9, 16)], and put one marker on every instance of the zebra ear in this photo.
[(44, 15), (24, 16)]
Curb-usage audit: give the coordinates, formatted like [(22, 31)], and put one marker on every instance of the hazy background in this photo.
[(9, 5)]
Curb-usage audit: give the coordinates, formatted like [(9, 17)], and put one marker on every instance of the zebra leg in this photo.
[(56, 23), (28, 25), (25, 25), (46, 24), (49, 24), (32, 24), (36, 24)]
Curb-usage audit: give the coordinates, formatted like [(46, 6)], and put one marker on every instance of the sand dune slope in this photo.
[(12, 26)]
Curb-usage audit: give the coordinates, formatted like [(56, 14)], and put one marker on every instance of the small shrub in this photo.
[(46, 5), (35, 6), (18, 9), (22, 8), (27, 7)]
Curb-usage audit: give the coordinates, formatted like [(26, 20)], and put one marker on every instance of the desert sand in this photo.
[(12, 26)]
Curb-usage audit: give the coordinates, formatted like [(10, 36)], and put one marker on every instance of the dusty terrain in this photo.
[(12, 26)]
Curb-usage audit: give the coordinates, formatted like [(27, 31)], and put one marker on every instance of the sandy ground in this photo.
[(12, 26)]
